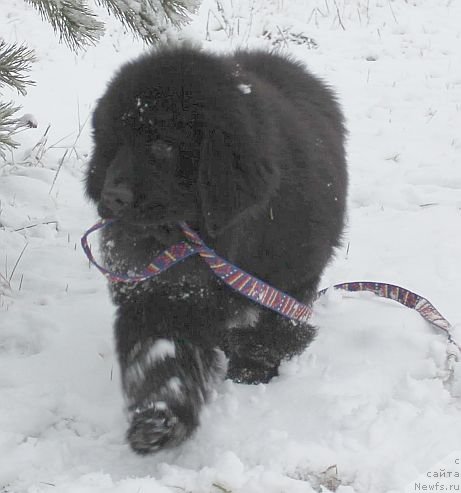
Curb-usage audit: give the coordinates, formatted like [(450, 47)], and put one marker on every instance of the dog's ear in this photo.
[(236, 179)]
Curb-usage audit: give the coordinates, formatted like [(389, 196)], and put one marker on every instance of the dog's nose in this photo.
[(117, 199)]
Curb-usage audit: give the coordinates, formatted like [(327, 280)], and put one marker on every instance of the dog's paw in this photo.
[(155, 427), (244, 370), (255, 353)]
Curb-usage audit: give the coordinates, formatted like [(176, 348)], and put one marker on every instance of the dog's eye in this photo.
[(161, 150)]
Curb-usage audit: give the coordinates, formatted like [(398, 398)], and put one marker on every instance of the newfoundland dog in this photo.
[(248, 150)]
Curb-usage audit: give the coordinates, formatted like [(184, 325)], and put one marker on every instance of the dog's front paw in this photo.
[(244, 370), (156, 426)]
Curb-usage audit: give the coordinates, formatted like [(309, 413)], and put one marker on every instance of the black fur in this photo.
[(249, 150)]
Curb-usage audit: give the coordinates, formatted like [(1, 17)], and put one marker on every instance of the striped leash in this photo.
[(259, 291)]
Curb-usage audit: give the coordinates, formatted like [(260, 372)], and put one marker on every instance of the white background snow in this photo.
[(369, 406)]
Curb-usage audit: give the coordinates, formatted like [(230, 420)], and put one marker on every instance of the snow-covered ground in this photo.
[(369, 406)]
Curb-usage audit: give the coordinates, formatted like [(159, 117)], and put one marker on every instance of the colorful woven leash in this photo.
[(242, 282), (161, 263), (403, 296), (259, 291)]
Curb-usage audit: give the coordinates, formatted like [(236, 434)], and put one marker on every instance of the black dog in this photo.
[(248, 149)]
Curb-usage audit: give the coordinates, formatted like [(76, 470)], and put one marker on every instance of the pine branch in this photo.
[(72, 19), (14, 61), (148, 19), (8, 126), (11, 125), (178, 11)]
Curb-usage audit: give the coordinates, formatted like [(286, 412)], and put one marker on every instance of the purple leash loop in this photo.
[(161, 263), (257, 290), (240, 281)]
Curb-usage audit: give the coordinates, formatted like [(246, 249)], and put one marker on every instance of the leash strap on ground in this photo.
[(259, 291), (406, 298)]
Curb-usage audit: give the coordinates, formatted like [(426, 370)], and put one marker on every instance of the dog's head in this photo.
[(176, 140)]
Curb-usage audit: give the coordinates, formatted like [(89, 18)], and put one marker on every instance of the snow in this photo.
[(244, 88), (161, 349), (372, 405)]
